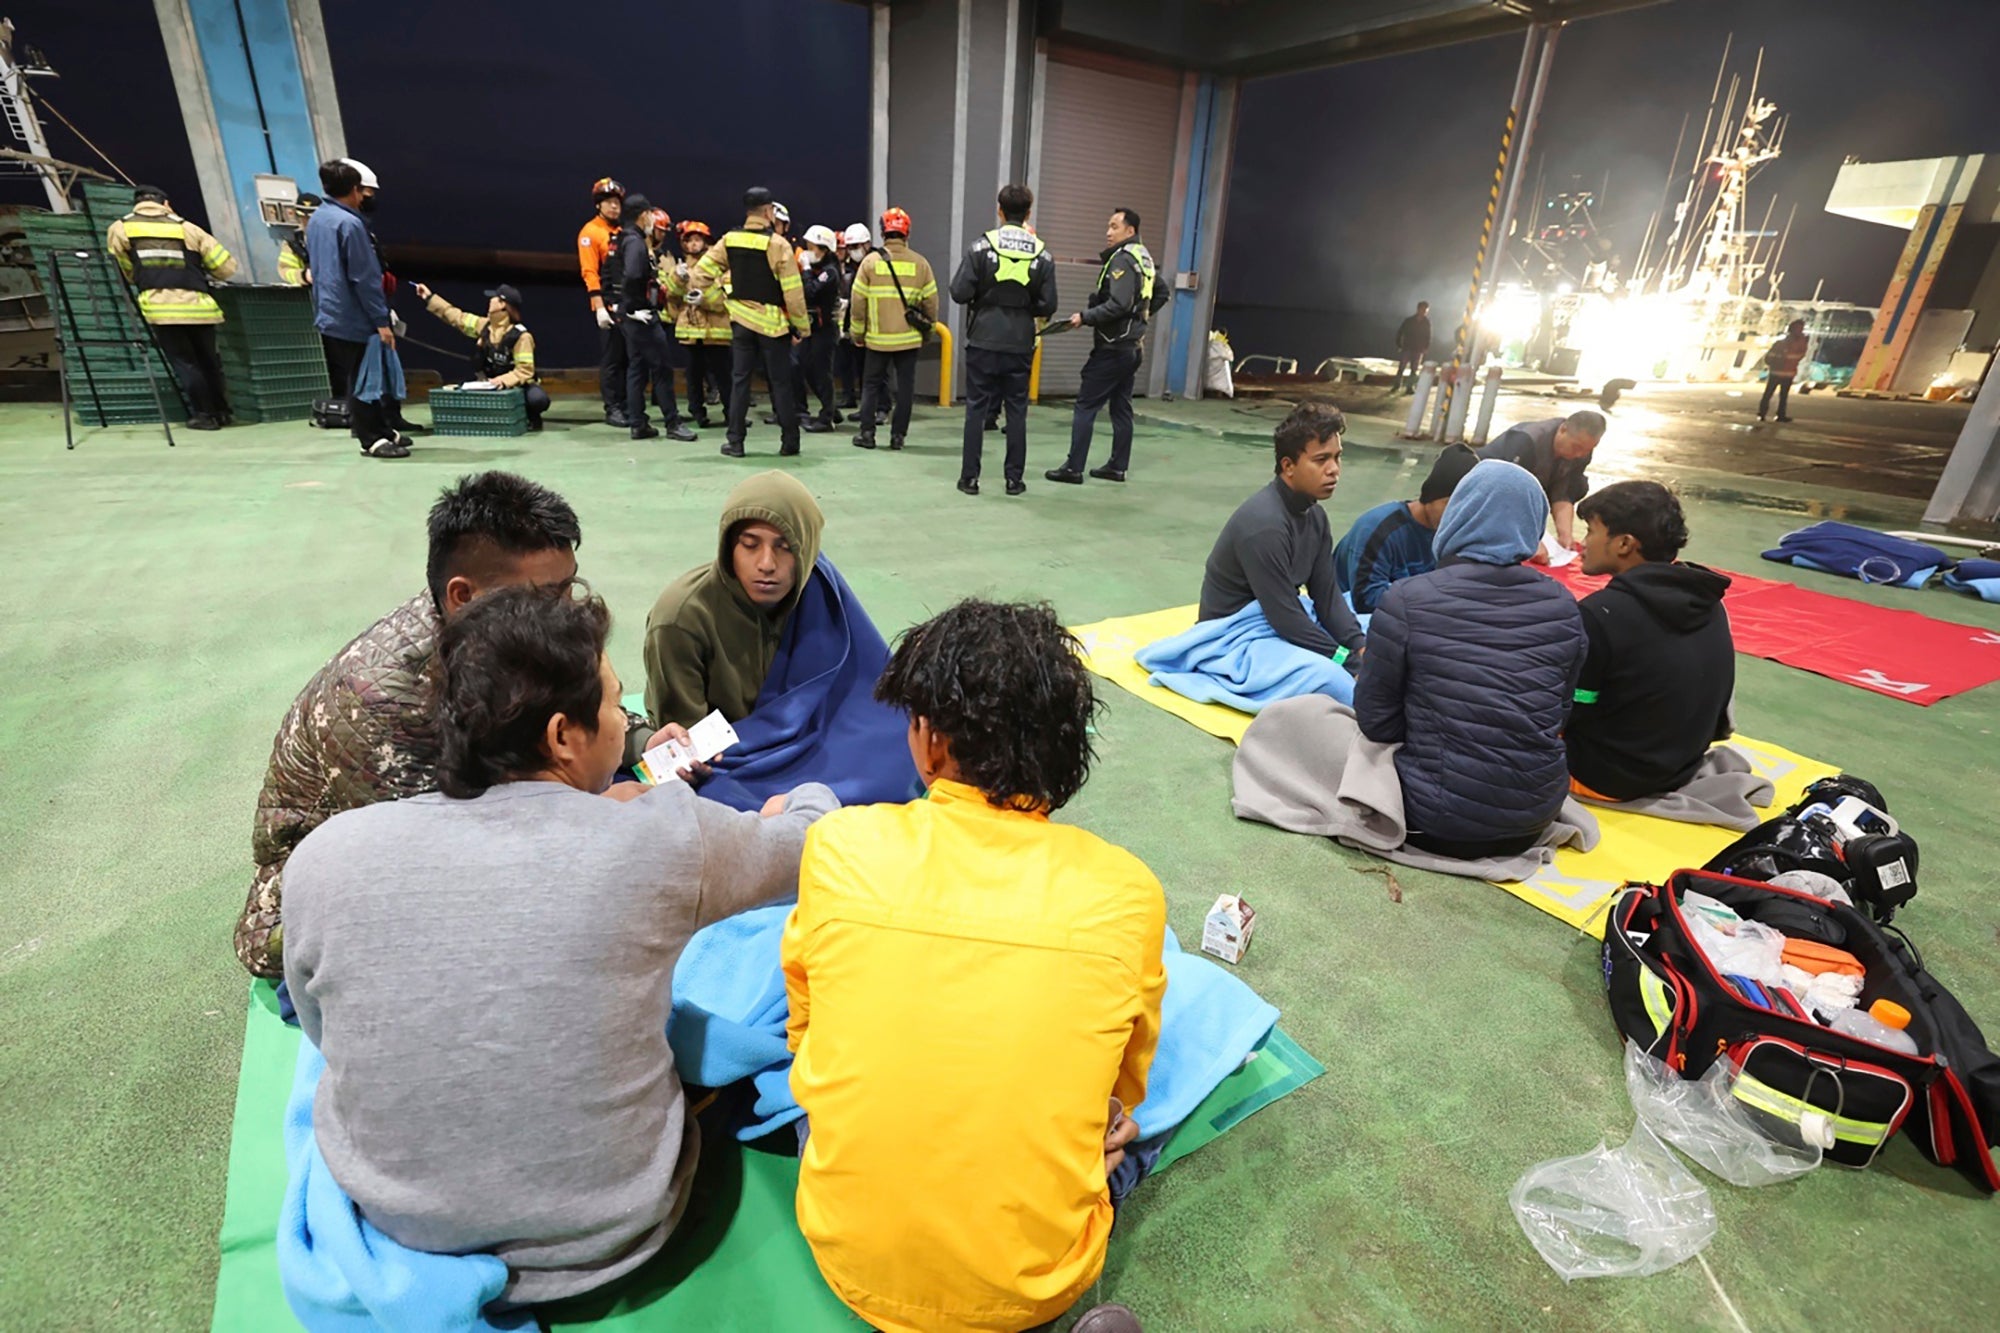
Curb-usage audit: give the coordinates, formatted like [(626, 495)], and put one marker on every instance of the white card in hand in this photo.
[(1558, 555), (711, 736)]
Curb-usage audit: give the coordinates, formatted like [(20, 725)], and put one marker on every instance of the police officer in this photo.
[(1118, 311), (649, 355), (596, 245), (1009, 281), (171, 261), (503, 351), (767, 314)]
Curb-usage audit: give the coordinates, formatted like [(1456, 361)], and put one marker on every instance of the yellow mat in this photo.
[(1579, 888)]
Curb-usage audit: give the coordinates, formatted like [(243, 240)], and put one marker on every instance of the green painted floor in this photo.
[(159, 609)]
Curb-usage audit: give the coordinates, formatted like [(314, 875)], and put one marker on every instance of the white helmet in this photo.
[(781, 213), (818, 235), (367, 176), (858, 234)]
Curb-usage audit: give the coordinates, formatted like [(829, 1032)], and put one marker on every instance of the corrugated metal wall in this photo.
[(1107, 142)]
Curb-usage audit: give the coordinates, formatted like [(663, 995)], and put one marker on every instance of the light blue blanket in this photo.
[(729, 1023), (1978, 577), (1240, 662), (341, 1275)]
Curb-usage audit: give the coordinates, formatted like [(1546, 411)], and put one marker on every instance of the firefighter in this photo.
[(1008, 282), (812, 357), (649, 353), (891, 282), (172, 261), (700, 326), (595, 246), (293, 268), (1119, 307), (854, 243), (767, 313), (503, 351)]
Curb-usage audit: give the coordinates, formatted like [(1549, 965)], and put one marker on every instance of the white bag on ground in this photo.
[(1702, 1118), (1615, 1212), (1219, 377)]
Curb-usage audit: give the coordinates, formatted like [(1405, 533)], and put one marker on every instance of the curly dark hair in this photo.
[(1309, 423), (1645, 511), (513, 659), (1005, 684), (489, 514)]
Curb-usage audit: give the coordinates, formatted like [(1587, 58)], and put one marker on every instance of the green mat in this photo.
[(738, 1261)]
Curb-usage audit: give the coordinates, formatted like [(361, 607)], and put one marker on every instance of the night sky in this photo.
[(1357, 189)]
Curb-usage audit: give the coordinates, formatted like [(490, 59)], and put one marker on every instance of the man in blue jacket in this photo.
[(352, 312), (1392, 541)]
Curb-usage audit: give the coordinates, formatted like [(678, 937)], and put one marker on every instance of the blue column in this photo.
[(1201, 228)]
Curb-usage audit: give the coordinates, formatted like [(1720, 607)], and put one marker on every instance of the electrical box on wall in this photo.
[(278, 200)]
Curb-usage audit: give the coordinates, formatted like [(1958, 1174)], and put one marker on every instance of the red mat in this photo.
[(1898, 653)]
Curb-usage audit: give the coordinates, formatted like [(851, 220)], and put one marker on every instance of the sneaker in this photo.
[(788, 450), (1784, 418), (679, 431), (1067, 476), (814, 426), (864, 441), (896, 442), (618, 419), (645, 430), (1763, 416), (1107, 473), (969, 485), (1017, 487), (203, 421), (386, 448), (1108, 1319), (732, 451)]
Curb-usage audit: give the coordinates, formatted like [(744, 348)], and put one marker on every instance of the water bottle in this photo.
[(1883, 1024)]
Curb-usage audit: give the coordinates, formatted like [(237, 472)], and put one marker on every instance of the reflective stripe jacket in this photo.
[(292, 266), (171, 261), (875, 313), (1009, 280), (593, 247), (958, 974), (765, 294), (1123, 299), (481, 328), (697, 319)]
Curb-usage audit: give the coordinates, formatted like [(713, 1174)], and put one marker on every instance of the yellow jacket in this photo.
[(875, 310), (969, 986), (475, 327), (698, 318), (159, 234), (754, 243)]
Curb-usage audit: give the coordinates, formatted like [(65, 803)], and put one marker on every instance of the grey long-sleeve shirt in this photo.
[(489, 981), (1276, 542)]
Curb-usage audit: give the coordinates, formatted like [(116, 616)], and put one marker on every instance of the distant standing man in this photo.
[(1119, 308), (855, 242), (595, 245), (1556, 451), (171, 261), (1009, 281), (700, 326), (649, 355), (767, 314), (891, 282), (1781, 364), (1413, 343), (352, 311)]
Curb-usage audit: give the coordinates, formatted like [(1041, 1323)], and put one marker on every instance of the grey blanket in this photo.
[(1304, 766), (1723, 792)]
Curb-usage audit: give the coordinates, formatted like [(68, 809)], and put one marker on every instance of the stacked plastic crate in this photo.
[(487, 412), (271, 354)]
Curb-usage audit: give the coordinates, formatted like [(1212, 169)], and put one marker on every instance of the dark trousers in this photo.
[(812, 367), (1783, 387), (874, 380), (190, 350), (611, 371), (649, 356), (847, 369), (368, 422), (706, 365), (536, 399), (1410, 361), (1107, 378), (994, 380), (748, 351)]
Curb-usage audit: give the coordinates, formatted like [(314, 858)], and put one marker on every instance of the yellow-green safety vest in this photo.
[(1017, 249), (1144, 260)]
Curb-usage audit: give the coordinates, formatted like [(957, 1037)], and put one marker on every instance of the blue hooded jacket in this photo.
[(1472, 667)]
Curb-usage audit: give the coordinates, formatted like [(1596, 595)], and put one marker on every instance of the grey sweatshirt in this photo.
[(489, 981), (1276, 542)]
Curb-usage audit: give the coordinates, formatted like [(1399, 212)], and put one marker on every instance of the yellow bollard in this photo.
[(944, 364), (1035, 374)]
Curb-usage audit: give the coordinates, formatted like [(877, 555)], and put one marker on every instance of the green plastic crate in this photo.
[(489, 412)]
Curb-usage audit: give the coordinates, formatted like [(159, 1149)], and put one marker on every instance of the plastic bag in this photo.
[(1703, 1119), (1615, 1212), (1218, 376), (1752, 950)]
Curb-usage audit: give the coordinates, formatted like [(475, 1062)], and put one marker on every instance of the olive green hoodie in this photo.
[(708, 645)]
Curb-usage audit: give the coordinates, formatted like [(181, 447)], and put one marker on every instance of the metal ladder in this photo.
[(84, 279)]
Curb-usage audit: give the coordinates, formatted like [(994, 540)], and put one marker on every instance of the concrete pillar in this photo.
[(1179, 339), (255, 87), (1969, 490)]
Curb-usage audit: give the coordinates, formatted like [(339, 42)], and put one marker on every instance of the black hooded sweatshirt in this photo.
[(1657, 681)]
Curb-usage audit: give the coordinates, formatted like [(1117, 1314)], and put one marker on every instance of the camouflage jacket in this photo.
[(361, 731)]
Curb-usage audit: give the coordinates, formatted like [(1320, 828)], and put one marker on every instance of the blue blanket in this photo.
[(1978, 577), (729, 1023), (1240, 662), (341, 1275), (816, 718), (1859, 553), (380, 373)]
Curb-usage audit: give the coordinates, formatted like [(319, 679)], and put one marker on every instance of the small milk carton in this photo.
[(1226, 932)]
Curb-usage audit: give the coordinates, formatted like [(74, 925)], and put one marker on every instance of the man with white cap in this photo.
[(854, 242), (812, 355), (351, 308)]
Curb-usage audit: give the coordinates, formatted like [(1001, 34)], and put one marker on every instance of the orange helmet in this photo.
[(693, 228), (896, 220), (604, 188)]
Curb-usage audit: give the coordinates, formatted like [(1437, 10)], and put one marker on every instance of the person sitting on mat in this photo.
[(487, 969), (1393, 540), (1279, 540), (1470, 670), (1661, 667), (361, 730), (974, 998)]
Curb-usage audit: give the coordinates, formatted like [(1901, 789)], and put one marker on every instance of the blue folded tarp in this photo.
[(1860, 553)]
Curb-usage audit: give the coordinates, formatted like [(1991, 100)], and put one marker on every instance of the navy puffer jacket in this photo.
[(1471, 667)]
